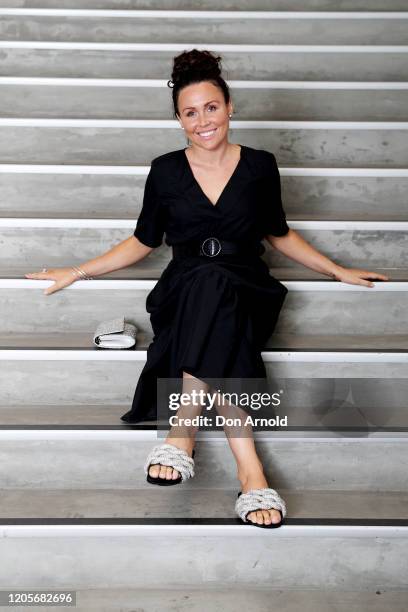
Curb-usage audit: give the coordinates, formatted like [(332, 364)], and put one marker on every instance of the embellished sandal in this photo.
[(259, 499), (172, 456)]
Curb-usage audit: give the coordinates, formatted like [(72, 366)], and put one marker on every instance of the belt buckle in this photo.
[(209, 246)]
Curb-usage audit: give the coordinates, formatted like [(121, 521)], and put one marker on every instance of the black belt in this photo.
[(211, 247)]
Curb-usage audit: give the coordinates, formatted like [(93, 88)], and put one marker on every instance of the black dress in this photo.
[(211, 316)]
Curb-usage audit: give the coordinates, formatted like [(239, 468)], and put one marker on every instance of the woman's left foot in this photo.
[(260, 517)]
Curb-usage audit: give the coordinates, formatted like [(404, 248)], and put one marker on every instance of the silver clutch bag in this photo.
[(115, 334)]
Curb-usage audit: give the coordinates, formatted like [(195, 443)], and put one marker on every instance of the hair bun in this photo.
[(197, 64)]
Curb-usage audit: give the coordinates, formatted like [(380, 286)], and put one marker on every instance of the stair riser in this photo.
[(225, 5), (108, 196), (338, 313), (105, 145), (304, 312), (56, 247), (222, 31), (44, 382), (87, 562), (354, 248), (353, 465), (155, 103), (316, 66)]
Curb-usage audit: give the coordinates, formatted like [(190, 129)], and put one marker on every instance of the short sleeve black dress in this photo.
[(211, 316)]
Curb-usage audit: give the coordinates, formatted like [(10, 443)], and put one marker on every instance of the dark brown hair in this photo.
[(194, 67)]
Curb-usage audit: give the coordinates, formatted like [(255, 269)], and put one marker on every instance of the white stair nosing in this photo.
[(351, 172), (389, 226), (197, 530), (307, 356), (72, 355), (106, 82), (74, 169), (172, 124), (126, 284), (202, 14), (31, 222), (143, 170), (150, 435), (231, 48)]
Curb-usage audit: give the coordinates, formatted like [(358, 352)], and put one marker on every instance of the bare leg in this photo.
[(182, 437), (249, 467)]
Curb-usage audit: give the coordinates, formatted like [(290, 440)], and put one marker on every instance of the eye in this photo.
[(212, 106)]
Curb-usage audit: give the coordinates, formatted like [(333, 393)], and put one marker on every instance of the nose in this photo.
[(203, 121)]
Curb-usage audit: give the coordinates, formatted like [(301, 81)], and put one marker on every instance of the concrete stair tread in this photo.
[(374, 215), (242, 65), (277, 342), (217, 5), (263, 597), (146, 29), (302, 420), (182, 502), (145, 271)]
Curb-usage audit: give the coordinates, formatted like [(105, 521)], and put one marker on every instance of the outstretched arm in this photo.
[(294, 246), (124, 254)]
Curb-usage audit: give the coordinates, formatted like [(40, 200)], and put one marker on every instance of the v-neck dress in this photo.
[(210, 316)]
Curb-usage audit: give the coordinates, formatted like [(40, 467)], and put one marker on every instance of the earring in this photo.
[(230, 115)]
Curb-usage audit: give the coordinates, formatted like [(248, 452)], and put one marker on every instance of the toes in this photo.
[(154, 470), (169, 473), (163, 471), (256, 517), (251, 516), (275, 516), (259, 517), (266, 517)]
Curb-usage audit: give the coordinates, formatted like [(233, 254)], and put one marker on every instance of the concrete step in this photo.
[(376, 406), (132, 99), (118, 506), (81, 557), (154, 61), (263, 598), (235, 27), (68, 376), (80, 341), (349, 316), (143, 271), (242, 5), (61, 244), (112, 459), (97, 142), (116, 192)]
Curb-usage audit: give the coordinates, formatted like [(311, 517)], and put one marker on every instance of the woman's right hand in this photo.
[(62, 277)]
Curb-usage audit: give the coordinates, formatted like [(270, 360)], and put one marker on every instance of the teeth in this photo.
[(207, 133)]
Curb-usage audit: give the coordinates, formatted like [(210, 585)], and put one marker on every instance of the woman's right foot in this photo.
[(156, 470)]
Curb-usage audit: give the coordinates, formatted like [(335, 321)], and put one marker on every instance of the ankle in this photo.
[(255, 470), (186, 444)]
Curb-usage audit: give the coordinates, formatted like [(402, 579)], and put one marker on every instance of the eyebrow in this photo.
[(187, 107)]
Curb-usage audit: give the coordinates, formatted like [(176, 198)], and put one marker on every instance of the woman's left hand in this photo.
[(355, 276)]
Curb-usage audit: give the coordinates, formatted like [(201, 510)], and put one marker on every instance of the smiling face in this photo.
[(203, 114)]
